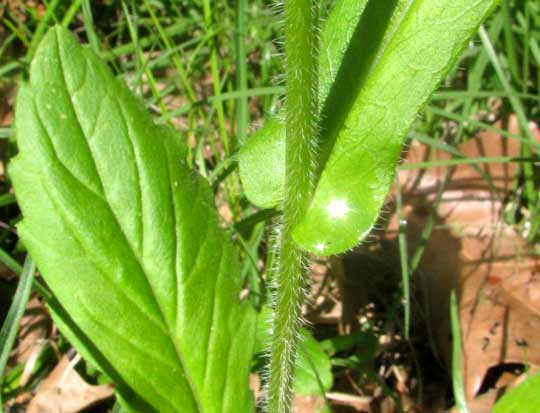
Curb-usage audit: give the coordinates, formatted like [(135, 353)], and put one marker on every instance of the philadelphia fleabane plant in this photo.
[(144, 282)]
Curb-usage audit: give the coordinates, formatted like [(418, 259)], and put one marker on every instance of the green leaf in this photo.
[(127, 237), (365, 342), (525, 398), (263, 177), (313, 371), (262, 157), (384, 64)]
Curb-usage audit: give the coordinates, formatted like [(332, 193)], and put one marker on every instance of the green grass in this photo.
[(457, 378), (8, 333)]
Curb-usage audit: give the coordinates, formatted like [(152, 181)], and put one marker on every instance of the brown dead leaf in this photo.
[(255, 385), (6, 106), (31, 338), (472, 250), (307, 404), (64, 391), (35, 326)]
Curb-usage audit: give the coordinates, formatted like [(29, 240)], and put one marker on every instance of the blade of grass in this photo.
[(163, 60), (174, 53), (468, 161), (249, 270), (460, 118), (526, 53), (250, 221), (6, 133), (535, 51), (88, 21), (510, 46), (186, 83), (242, 114), (404, 260), (117, 408), (457, 377), (216, 80), (70, 13), (222, 170), (14, 266), (519, 109), (41, 28), (7, 199), (133, 32), (20, 34), (438, 144), (9, 67), (8, 333), (480, 94), (237, 94), (180, 27), (430, 223), (476, 74), (6, 43), (10, 262)]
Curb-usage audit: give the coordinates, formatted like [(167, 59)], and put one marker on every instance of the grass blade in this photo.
[(242, 114), (6, 133), (42, 27), (89, 26), (404, 261), (13, 319), (519, 109), (457, 377)]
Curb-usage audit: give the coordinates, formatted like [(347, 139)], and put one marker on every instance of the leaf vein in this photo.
[(60, 209), (153, 294)]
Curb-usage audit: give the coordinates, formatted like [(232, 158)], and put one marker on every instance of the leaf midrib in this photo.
[(161, 326)]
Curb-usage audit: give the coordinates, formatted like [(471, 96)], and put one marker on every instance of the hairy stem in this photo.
[(301, 20)]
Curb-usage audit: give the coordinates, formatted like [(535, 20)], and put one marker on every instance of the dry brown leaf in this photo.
[(472, 250), (255, 385), (35, 325), (64, 391), (31, 338), (6, 106), (307, 404)]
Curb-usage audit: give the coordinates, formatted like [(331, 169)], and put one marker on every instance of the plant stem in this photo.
[(301, 19)]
